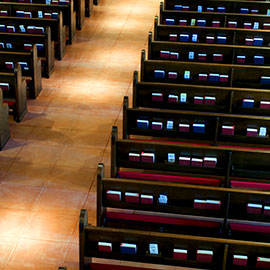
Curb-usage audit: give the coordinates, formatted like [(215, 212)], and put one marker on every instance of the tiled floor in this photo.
[(48, 168)]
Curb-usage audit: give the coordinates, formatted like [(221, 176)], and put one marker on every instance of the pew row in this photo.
[(227, 99), (14, 92), (35, 10), (202, 127), (208, 53), (4, 128), (225, 166), (22, 42), (225, 75), (200, 210), (164, 249), (30, 65), (38, 26)]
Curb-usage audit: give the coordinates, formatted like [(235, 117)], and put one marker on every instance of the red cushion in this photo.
[(254, 185), (250, 228), (177, 142), (163, 220), (100, 266), (170, 178), (10, 102)]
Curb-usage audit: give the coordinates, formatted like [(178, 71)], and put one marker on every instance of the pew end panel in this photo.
[(4, 128)]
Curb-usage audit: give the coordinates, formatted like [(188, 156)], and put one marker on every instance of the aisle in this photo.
[(48, 168)]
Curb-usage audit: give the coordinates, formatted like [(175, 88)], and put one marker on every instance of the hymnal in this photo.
[(9, 65), (210, 9), (262, 132), (194, 37), (213, 205), (104, 247), (11, 29), (131, 197), (204, 255), (266, 210), (198, 100), (258, 41), (227, 130), (147, 199), (130, 249), (256, 25), (40, 14), (179, 254), (22, 29), (27, 14), (254, 208), (47, 15), (191, 55), (185, 8), (265, 80), (172, 98), (201, 22), (213, 77), (223, 78), (63, 2), (254, 11), (183, 97), (3, 13), (157, 97), (142, 123), (169, 125), (39, 30), (2, 45), (263, 262), (30, 29), (241, 59), (249, 41), (183, 22), (209, 100), (264, 104), (217, 57), (215, 23), (193, 22), (252, 132), (9, 46), (113, 195), (184, 37), (183, 127), (202, 56), (248, 103), (173, 37), (259, 59), (159, 74), (163, 199), (19, 13), (172, 75), (247, 25), (210, 39), (134, 157), (232, 24), (174, 55), (240, 260), (266, 26), (221, 9), (40, 47), (4, 86), (187, 75), (184, 161), (202, 77), (199, 204), (209, 162), (24, 65), (221, 40), (153, 249), (244, 10), (148, 157), (169, 21), (171, 157), (27, 47), (157, 125), (197, 162), (54, 15), (200, 9), (2, 28), (178, 7)]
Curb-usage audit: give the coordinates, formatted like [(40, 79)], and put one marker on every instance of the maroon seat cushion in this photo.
[(253, 185)]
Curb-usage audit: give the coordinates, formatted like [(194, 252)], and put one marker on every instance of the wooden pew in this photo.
[(225, 75), (221, 252), (4, 128), (231, 6), (228, 99), (214, 19), (69, 15), (58, 35), (219, 128), (234, 36), (14, 92), (189, 163), (17, 40), (210, 53), (200, 210)]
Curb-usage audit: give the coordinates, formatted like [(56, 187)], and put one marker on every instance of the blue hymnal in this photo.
[(159, 74), (2, 28), (221, 40), (40, 47), (221, 9), (259, 59), (199, 128), (213, 77), (24, 65), (126, 248), (178, 7), (142, 123), (248, 103), (9, 46), (265, 80), (244, 10), (201, 22), (184, 37), (54, 15), (169, 21), (199, 8), (258, 41), (19, 13)]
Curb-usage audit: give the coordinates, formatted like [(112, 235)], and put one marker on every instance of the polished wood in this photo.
[(4, 128)]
